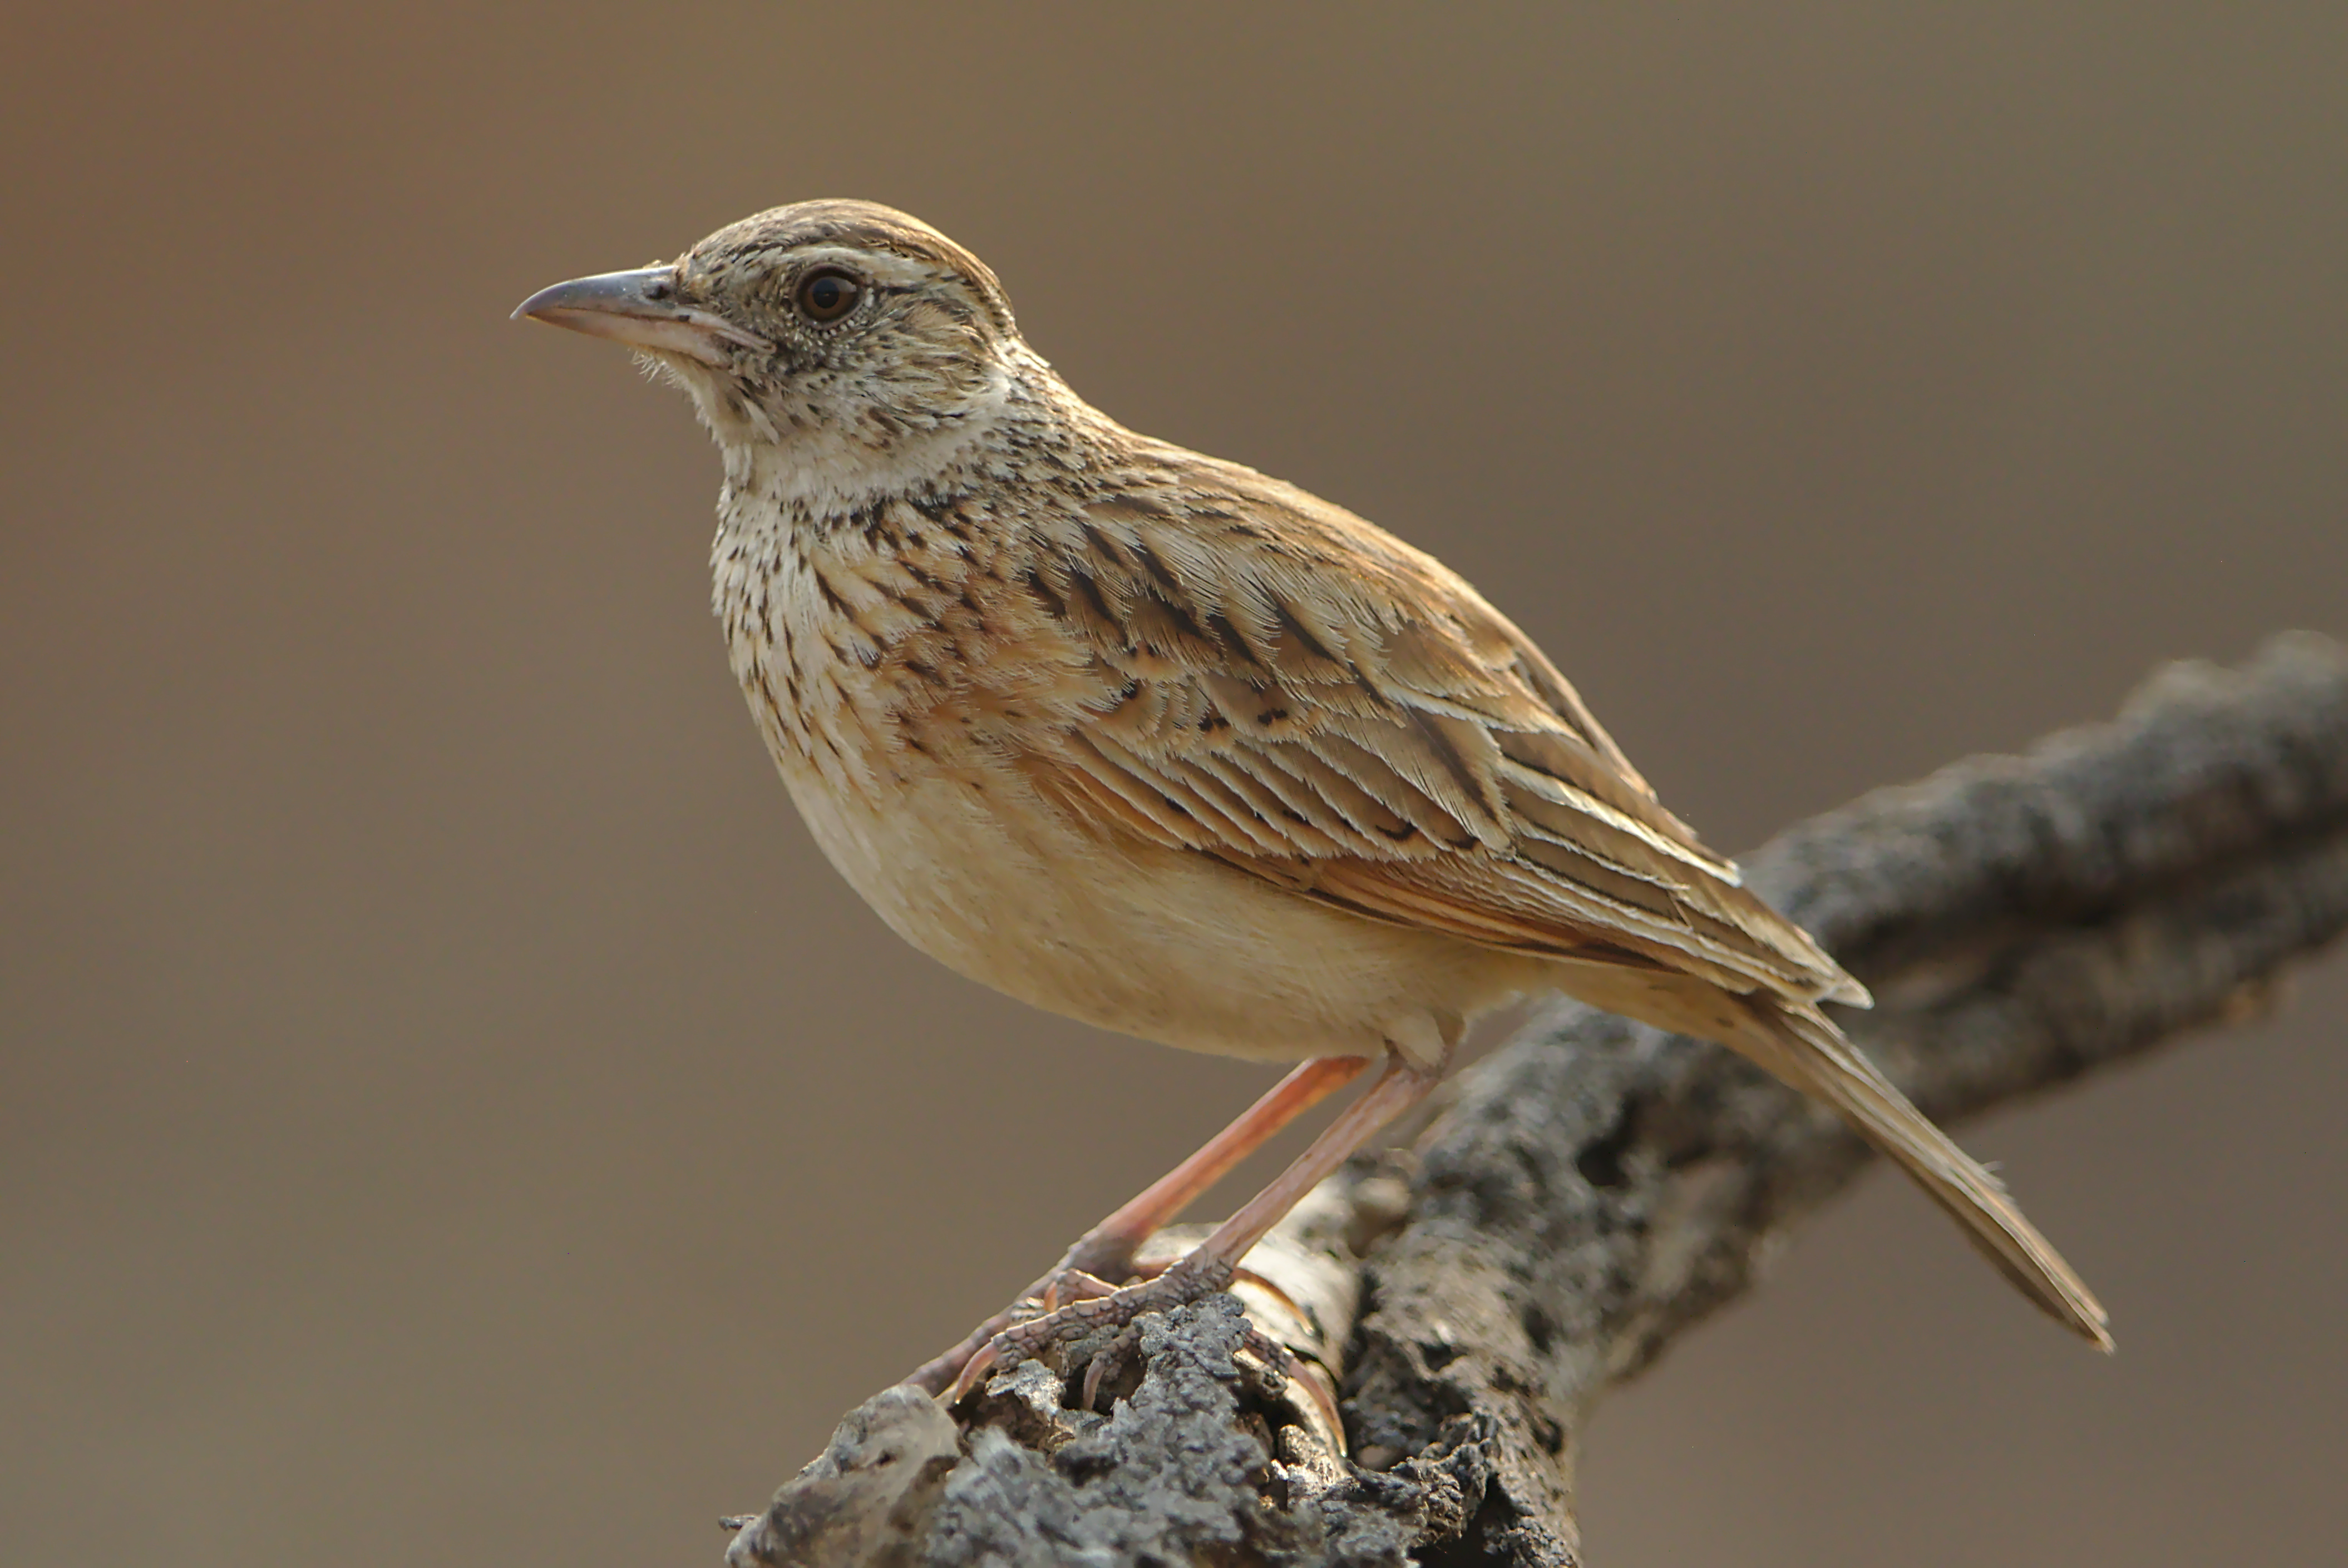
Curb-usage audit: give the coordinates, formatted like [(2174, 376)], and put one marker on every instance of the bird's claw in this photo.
[(1072, 1285), (1070, 1321), (1107, 1358), (1279, 1365)]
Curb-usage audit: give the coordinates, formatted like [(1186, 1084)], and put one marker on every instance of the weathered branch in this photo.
[(1597, 1187)]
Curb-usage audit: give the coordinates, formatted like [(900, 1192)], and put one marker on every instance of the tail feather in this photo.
[(1800, 1045)]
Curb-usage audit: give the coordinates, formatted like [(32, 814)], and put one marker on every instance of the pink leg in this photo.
[(1209, 1265), (1107, 1248), (1397, 1089)]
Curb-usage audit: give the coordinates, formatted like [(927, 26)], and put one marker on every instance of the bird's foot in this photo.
[(1096, 1309), (1070, 1284), (1277, 1365)]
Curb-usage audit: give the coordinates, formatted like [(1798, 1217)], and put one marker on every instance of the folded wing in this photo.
[(1318, 704)]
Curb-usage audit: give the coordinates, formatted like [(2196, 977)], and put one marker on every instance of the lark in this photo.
[(1145, 738)]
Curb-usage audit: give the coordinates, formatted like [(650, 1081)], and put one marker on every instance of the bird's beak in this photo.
[(639, 308)]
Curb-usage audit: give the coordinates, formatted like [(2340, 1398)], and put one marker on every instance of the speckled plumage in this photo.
[(1149, 738)]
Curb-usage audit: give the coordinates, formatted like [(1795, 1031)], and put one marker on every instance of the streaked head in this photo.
[(822, 324)]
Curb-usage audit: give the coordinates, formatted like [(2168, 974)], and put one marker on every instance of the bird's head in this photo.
[(840, 341)]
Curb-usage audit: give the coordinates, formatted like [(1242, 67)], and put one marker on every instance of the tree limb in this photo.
[(1597, 1187)]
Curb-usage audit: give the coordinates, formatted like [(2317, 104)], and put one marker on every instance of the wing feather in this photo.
[(1320, 705), (1278, 686)]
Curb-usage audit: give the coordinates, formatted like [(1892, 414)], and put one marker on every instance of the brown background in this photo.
[(449, 1112)]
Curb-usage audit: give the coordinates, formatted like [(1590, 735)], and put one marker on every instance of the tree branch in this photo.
[(1597, 1187)]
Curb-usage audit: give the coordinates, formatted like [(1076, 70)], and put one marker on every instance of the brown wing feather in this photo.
[(1319, 704), (1321, 707)]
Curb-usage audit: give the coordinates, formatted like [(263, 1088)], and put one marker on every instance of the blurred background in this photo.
[(449, 1112)]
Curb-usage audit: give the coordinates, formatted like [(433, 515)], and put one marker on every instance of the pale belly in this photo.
[(1163, 944)]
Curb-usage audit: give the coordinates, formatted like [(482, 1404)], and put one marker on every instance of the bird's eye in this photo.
[(826, 295)]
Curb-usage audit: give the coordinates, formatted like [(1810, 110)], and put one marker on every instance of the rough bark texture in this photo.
[(1597, 1187)]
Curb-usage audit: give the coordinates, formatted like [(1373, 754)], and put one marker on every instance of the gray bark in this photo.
[(1596, 1187)]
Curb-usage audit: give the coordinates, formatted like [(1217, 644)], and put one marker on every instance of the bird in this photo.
[(1151, 740)]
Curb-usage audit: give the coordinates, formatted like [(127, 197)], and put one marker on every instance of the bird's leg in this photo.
[(1107, 1250), (1209, 1265), (1103, 1254)]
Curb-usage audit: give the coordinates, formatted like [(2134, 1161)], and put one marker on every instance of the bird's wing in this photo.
[(1293, 690)]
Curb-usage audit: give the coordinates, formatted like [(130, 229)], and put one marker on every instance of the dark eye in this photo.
[(828, 295)]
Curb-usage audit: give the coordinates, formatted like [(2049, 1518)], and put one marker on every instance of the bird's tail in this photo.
[(1797, 1043)]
